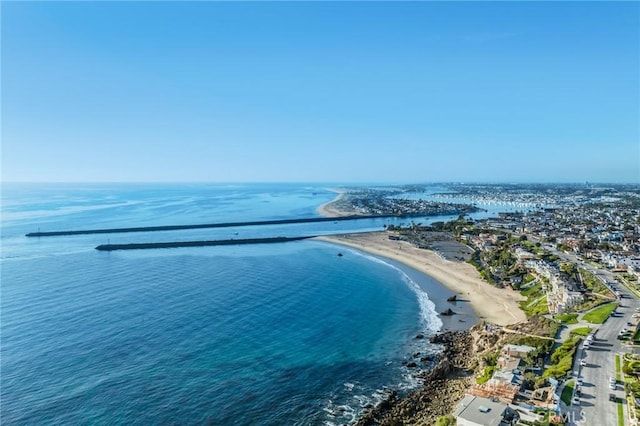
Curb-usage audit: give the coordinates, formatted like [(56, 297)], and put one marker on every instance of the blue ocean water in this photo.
[(264, 334)]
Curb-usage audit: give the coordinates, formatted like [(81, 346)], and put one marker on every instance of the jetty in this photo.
[(175, 244), (207, 225)]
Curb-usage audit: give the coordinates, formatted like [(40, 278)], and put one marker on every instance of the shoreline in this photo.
[(329, 209), (492, 304), (464, 316)]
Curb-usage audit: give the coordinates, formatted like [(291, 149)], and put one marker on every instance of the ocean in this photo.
[(266, 334)]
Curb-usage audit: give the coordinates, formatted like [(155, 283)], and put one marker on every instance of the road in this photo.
[(594, 407), (594, 404)]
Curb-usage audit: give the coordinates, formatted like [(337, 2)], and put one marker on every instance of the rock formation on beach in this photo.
[(443, 386)]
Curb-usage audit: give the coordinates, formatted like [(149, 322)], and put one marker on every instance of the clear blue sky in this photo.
[(299, 91)]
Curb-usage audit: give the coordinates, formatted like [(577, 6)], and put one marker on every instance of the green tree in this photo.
[(447, 420)]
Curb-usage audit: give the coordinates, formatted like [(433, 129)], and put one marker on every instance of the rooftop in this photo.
[(481, 411)]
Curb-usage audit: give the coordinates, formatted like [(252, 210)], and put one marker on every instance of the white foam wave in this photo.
[(427, 308)]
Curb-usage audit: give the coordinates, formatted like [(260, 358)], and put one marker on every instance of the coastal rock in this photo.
[(420, 336), (412, 365), (443, 386)]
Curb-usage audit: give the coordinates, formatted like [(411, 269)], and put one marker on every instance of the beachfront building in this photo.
[(478, 411), (517, 351), (502, 387)]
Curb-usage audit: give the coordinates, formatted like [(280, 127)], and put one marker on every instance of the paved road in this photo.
[(594, 407)]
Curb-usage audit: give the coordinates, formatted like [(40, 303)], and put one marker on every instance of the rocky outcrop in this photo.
[(444, 385)]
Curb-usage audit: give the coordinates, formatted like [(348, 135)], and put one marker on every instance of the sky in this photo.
[(320, 91)]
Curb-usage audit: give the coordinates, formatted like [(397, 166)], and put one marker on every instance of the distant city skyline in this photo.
[(321, 92)]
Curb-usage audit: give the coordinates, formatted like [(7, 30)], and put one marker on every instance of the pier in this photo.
[(175, 244), (202, 226)]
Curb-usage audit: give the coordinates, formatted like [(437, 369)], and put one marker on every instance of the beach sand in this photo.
[(498, 306), (333, 208)]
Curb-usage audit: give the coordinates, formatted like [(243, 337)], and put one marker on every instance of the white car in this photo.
[(576, 400), (583, 363)]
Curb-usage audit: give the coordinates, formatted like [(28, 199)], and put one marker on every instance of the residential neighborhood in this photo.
[(574, 256)]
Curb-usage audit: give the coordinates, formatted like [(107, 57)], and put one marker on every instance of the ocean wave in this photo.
[(428, 313)]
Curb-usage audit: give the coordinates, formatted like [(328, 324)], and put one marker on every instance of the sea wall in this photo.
[(175, 244)]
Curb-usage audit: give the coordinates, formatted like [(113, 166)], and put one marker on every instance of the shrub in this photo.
[(447, 420)]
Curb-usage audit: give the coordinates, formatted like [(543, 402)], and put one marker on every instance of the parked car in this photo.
[(612, 397), (583, 363), (576, 400)]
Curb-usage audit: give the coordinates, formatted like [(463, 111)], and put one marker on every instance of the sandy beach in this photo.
[(499, 306), (332, 208)]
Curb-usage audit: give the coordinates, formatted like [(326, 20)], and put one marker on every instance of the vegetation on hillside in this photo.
[(562, 358)]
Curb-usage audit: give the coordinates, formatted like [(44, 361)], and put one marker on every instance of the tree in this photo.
[(447, 420)]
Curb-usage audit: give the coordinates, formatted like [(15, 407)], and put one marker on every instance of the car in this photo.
[(612, 397), (629, 323), (579, 382), (612, 386), (612, 379), (576, 400), (583, 363)]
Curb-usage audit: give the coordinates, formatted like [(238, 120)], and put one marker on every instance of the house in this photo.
[(478, 411), (524, 255), (517, 351), (508, 363)]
